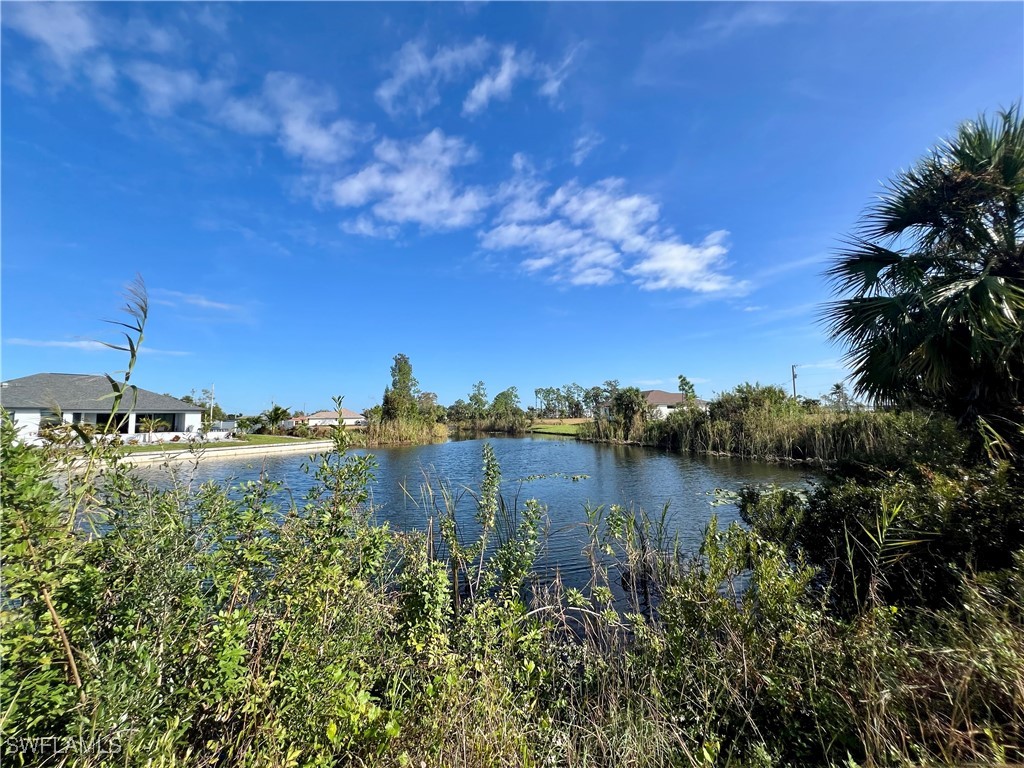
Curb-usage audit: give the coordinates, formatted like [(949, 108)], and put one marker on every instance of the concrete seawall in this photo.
[(229, 452)]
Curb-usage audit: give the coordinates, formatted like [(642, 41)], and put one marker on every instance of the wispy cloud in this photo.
[(829, 365), (91, 49), (87, 345), (601, 233), (412, 182), (789, 266), (552, 77), (65, 30), (497, 83), (584, 145), (661, 59), (648, 382), (306, 131), (416, 75), (365, 226), (177, 298)]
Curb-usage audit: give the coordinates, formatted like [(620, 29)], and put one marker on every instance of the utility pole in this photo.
[(794, 381)]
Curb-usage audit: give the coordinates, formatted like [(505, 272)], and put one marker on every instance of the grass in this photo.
[(241, 441), (555, 429)]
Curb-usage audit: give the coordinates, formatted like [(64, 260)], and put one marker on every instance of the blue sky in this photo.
[(525, 194)]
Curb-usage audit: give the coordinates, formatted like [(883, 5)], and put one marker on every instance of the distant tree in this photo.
[(400, 398), (426, 404), (593, 398), (747, 396), (629, 408), (573, 395), (686, 389), (478, 402), (506, 404), (273, 417), (460, 411), (249, 424), (375, 414), (809, 405), (837, 398)]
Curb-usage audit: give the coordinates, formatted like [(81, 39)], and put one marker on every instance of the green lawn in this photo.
[(555, 429), (241, 441)]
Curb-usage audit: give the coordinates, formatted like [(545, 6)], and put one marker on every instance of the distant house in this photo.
[(661, 403), (327, 419), (48, 399)]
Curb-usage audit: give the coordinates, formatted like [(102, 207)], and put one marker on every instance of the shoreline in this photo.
[(231, 451)]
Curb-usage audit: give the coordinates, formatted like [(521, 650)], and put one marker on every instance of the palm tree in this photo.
[(932, 311), (149, 425), (274, 416)]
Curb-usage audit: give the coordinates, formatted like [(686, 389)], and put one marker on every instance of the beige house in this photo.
[(327, 419)]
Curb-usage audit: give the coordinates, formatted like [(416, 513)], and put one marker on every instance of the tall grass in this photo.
[(791, 434), (404, 432)]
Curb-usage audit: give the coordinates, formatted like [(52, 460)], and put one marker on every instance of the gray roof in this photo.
[(82, 392), (661, 397)]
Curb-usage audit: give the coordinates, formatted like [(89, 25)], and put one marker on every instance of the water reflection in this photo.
[(627, 475)]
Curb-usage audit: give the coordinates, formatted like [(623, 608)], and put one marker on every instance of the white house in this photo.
[(660, 403), (47, 399), (326, 419)]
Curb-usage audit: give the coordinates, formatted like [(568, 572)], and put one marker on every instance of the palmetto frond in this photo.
[(931, 305)]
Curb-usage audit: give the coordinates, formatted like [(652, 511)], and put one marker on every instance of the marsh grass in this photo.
[(791, 434), (404, 432)]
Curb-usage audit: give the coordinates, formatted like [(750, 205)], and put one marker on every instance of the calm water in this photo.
[(627, 475)]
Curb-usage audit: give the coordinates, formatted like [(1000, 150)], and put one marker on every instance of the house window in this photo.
[(167, 422), (48, 418), (120, 423)]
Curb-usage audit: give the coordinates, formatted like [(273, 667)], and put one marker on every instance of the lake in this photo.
[(627, 475)]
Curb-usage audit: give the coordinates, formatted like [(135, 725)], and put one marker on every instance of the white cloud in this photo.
[(66, 30), (213, 18), (598, 234), (497, 84), (174, 298), (102, 74), (605, 209), (140, 34), (673, 264), (584, 145), (84, 345), (553, 77), (245, 115), (304, 128), (163, 89), (416, 76), (411, 182), (520, 195), (365, 226)]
